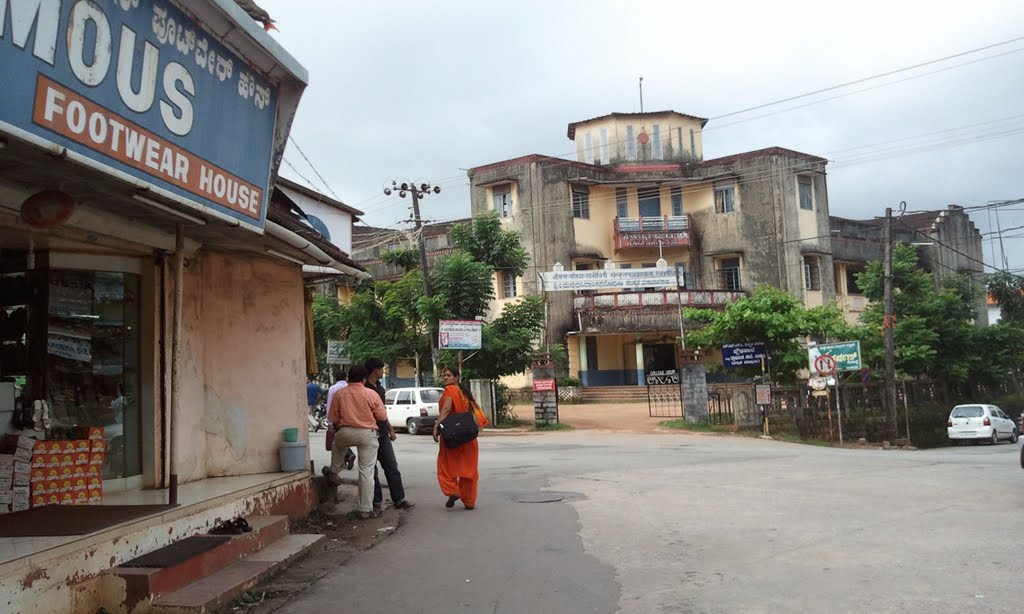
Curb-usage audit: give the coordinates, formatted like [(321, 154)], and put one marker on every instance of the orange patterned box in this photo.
[(98, 445), (67, 498), (94, 481), (54, 447), (67, 447), (82, 458), (67, 459), (96, 458), (79, 484), (53, 486), (39, 500), (67, 485), (39, 487), (96, 433), (53, 498), (82, 445), (81, 496), (53, 460), (52, 473), (78, 472), (40, 447), (95, 495), (39, 460), (38, 474), (66, 473), (94, 469)]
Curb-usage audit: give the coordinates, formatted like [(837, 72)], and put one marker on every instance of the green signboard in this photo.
[(846, 354)]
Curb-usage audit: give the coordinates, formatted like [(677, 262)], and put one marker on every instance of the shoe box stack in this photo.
[(53, 472)]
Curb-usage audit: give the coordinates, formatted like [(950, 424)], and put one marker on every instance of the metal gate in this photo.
[(664, 394), (720, 406)]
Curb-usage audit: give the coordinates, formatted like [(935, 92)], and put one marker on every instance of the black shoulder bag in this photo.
[(458, 429)]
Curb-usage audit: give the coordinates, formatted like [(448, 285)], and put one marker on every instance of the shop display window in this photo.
[(92, 361)]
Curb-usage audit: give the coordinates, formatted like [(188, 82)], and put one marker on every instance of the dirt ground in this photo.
[(623, 416), (346, 537)]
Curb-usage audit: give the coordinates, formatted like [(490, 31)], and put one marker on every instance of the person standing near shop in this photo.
[(386, 452), (339, 383), (357, 410)]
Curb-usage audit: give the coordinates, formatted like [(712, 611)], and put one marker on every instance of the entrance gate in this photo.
[(664, 394), (720, 406)]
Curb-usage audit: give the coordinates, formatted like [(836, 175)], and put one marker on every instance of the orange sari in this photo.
[(457, 471)]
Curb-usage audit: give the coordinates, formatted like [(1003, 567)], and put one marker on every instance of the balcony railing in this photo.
[(667, 231), (655, 299)]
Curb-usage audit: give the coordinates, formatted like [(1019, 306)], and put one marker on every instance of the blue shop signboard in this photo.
[(747, 354), (138, 89)]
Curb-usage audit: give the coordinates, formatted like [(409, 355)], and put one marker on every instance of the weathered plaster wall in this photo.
[(668, 123), (243, 373)]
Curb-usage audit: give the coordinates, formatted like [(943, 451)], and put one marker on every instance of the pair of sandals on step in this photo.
[(231, 527)]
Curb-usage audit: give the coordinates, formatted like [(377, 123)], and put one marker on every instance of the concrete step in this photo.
[(144, 583), (211, 592), (614, 393)]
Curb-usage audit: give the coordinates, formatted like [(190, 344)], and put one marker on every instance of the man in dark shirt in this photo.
[(386, 451)]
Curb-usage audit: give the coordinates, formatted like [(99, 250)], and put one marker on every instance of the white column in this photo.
[(640, 364)]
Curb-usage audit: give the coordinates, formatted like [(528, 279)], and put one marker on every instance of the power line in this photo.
[(316, 172)]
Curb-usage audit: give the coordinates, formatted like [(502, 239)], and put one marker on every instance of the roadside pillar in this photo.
[(545, 392), (693, 382)]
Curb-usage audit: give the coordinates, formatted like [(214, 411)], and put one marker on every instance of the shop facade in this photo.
[(149, 285)]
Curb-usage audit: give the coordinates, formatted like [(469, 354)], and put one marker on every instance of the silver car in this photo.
[(978, 422)]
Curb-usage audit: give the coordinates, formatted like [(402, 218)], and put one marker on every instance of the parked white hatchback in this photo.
[(978, 422), (414, 409)]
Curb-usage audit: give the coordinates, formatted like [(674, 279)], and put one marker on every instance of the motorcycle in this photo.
[(317, 417)]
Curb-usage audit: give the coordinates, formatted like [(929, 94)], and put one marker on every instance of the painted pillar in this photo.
[(583, 361), (545, 398), (640, 364)]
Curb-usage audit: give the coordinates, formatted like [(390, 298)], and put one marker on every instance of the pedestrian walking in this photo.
[(457, 468), (356, 410), (313, 392), (386, 451)]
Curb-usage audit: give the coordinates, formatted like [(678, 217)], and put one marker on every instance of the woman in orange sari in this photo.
[(457, 471)]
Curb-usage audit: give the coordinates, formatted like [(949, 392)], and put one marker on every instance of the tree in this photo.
[(486, 241), (774, 316), (934, 333), (405, 258), (508, 341), (1007, 290)]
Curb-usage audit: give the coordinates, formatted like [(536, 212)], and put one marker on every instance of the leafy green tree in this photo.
[(486, 241), (507, 341), (1007, 290), (462, 286), (405, 258), (933, 334), (774, 316)]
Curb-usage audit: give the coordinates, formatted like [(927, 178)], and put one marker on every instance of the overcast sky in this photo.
[(423, 90)]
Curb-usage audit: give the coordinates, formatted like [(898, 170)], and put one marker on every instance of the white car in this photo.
[(414, 409), (978, 422)]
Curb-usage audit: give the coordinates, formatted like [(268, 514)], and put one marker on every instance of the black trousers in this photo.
[(386, 459)]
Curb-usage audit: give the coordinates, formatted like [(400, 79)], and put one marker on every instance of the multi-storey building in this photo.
[(640, 191), (369, 243)]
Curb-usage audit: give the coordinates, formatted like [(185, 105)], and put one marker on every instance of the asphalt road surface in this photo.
[(599, 523)]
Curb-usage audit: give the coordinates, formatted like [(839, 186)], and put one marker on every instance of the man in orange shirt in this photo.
[(355, 411)]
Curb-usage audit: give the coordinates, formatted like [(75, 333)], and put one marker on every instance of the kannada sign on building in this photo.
[(612, 279), (747, 354), (459, 334), (139, 89), (846, 355)]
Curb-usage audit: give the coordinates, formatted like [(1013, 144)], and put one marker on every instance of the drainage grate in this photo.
[(178, 552), (546, 497)]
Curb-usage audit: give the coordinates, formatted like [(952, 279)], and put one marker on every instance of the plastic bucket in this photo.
[(293, 456), (290, 435)]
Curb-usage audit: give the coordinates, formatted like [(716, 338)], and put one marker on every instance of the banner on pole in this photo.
[(460, 334)]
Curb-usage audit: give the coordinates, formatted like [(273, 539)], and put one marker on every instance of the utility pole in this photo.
[(418, 193), (888, 324)]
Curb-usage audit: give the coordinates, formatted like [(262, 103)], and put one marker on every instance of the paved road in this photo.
[(665, 523)]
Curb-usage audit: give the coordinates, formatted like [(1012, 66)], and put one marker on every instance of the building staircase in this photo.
[(208, 579), (611, 394)]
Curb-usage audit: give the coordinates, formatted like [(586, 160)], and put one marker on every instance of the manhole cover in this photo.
[(546, 497)]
